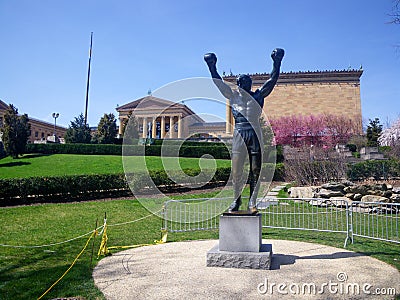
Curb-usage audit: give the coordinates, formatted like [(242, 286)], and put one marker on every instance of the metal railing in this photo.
[(375, 220)]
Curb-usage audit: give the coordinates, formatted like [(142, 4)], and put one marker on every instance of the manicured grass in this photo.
[(74, 164), (25, 273)]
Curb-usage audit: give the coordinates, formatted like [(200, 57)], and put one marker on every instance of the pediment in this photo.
[(149, 103), (3, 105)]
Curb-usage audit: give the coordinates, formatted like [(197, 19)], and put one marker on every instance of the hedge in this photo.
[(18, 191), (218, 152), (99, 149), (30, 190), (378, 169)]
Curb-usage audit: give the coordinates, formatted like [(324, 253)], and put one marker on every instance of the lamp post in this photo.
[(55, 116)]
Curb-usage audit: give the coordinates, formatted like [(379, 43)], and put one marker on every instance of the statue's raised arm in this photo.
[(268, 86), (211, 60)]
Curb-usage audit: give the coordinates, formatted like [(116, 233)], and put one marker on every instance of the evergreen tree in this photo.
[(16, 132), (107, 129), (78, 131), (130, 128), (374, 130)]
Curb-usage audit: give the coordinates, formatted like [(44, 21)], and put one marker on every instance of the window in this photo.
[(36, 134)]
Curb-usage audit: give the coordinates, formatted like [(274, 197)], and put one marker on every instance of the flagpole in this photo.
[(88, 77)]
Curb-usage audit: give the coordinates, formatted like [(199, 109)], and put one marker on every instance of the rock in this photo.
[(357, 197), (324, 193), (379, 187), (320, 202), (374, 192), (350, 196), (347, 183), (383, 210), (389, 186), (395, 198), (359, 189), (271, 193), (387, 194), (374, 198), (341, 201), (333, 186), (302, 192), (396, 190)]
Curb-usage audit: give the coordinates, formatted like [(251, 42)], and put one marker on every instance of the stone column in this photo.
[(162, 127), (154, 128), (121, 121), (228, 117), (171, 127), (232, 122), (179, 127), (144, 134)]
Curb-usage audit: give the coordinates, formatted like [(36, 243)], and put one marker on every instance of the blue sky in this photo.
[(142, 45)]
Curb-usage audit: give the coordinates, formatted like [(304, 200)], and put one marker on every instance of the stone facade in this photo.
[(159, 118), (306, 93), (40, 130)]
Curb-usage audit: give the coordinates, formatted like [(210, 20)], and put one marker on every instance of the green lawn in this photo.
[(32, 165), (25, 273)]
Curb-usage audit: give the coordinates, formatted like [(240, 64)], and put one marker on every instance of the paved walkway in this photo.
[(178, 271)]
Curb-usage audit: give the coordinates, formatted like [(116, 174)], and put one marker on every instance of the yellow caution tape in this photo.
[(103, 250), (70, 267)]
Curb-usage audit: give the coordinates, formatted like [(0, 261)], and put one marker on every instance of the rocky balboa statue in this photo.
[(246, 107)]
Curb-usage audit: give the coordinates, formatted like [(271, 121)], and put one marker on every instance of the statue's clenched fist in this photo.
[(277, 54), (211, 59)]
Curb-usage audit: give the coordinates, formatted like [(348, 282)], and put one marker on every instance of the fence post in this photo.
[(349, 224), (164, 216)]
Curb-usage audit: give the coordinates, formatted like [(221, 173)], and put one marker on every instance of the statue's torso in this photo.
[(247, 107)]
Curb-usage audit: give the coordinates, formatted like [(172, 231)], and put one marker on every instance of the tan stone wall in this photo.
[(315, 98), (329, 92)]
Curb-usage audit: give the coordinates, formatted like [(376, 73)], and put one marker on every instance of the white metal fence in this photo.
[(370, 220)]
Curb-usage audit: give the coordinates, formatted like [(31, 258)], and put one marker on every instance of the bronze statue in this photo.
[(246, 107)]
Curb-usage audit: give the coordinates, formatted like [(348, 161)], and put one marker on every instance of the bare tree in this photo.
[(395, 14)]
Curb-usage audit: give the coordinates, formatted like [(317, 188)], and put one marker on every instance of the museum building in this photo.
[(296, 93), (40, 130)]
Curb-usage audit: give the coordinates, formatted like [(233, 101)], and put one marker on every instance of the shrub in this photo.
[(218, 152), (378, 169), (29, 190)]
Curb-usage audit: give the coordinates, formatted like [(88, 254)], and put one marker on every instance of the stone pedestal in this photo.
[(240, 244), (240, 233)]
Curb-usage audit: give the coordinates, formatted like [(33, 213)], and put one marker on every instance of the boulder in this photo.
[(387, 194), (324, 193), (347, 183), (359, 189), (396, 190), (374, 198), (357, 197), (379, 187), (341, 201), (302, 192), (320, 202), (395, 198), (374, 192), (350, 196), (333, 186)]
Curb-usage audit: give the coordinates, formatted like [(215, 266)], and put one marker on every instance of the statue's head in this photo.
[(244, 81)]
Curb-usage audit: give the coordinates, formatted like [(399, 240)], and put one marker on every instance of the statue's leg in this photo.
[(239, 154), (255, 169), (238, 159)]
